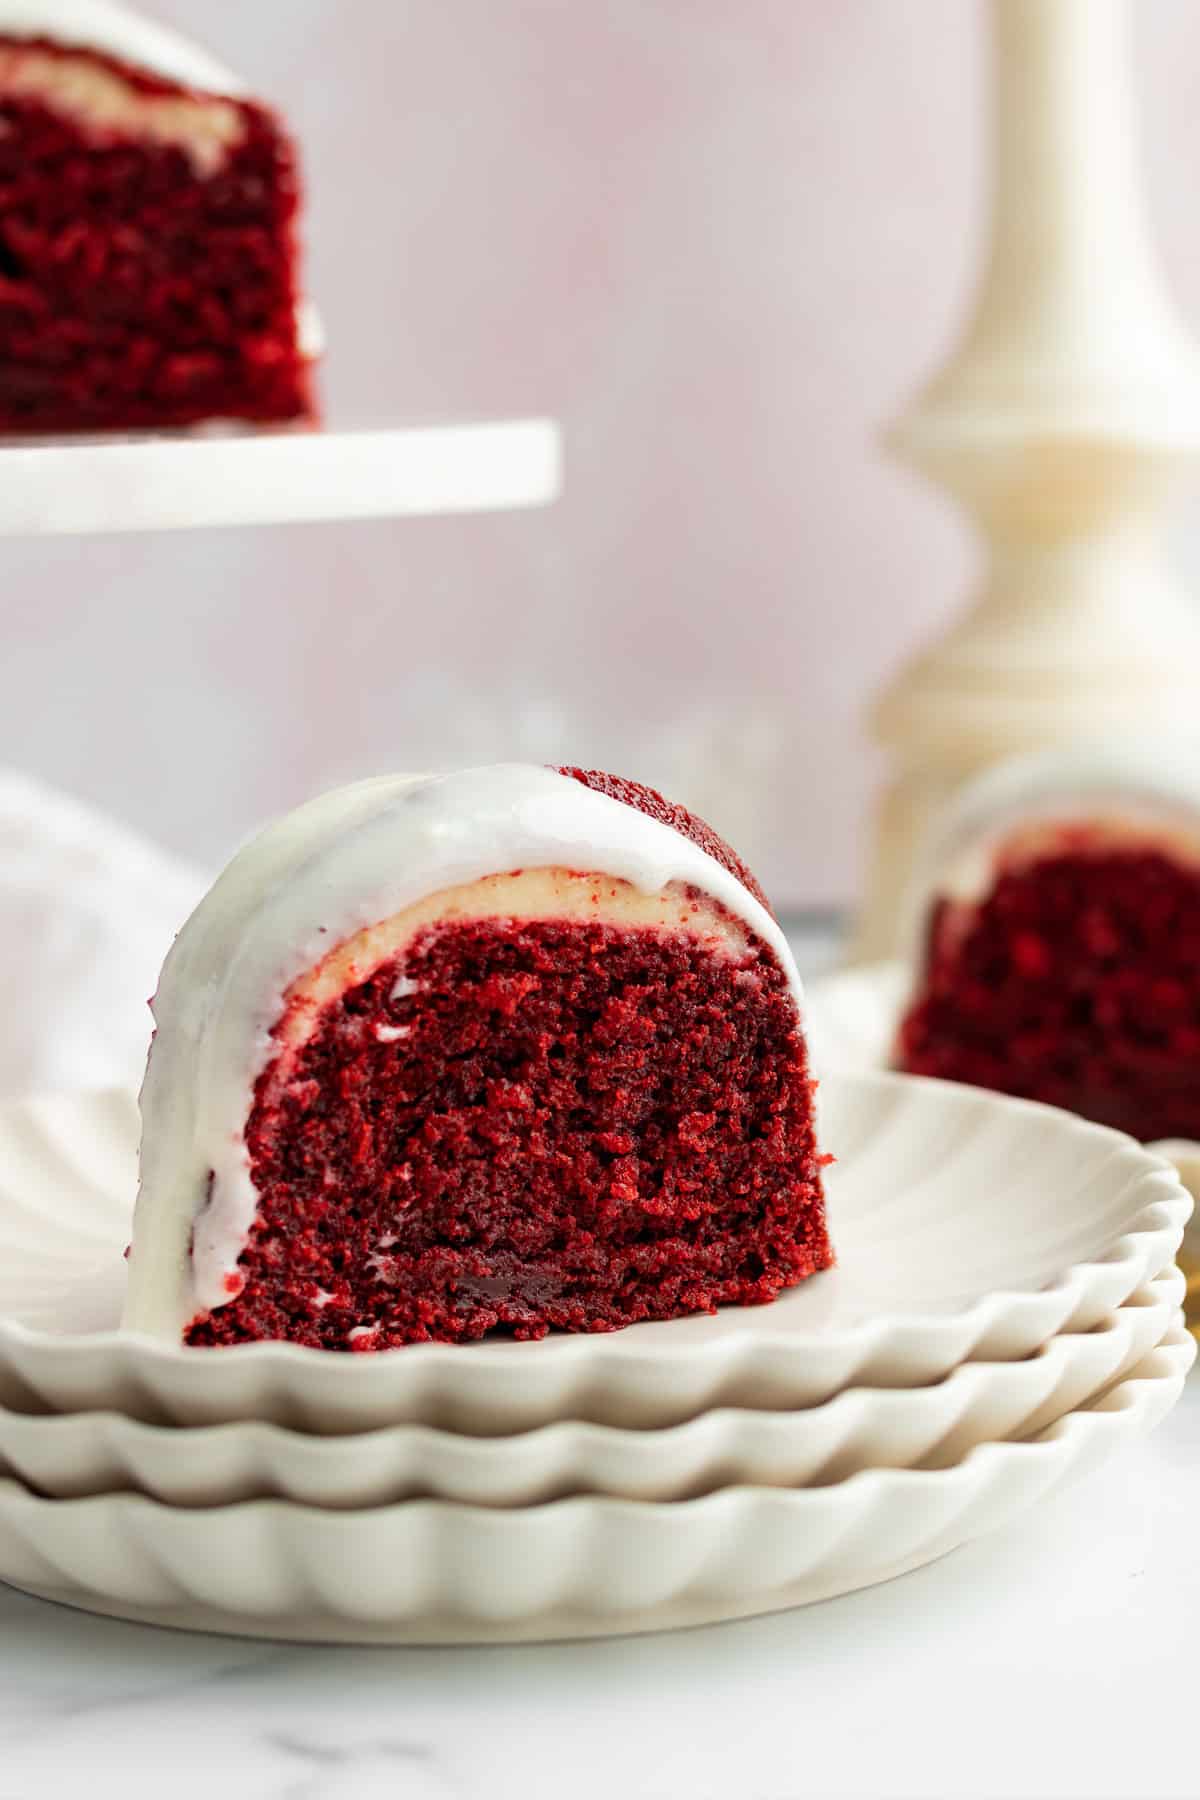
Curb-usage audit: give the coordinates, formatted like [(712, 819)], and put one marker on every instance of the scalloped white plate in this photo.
[(71, 1455), (431, 1572), (966, 1225)]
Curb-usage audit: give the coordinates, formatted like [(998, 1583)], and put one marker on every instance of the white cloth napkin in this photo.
[(88, 910)]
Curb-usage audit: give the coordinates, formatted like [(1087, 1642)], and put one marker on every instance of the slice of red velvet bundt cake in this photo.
[(1059, 956), (148, 217), (508, 1050)]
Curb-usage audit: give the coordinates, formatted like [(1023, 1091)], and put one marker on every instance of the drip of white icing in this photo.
[(310, 331), (345, 862)]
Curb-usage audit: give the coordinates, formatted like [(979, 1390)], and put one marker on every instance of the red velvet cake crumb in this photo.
[(647, 800), (137, 290), (1075, 981), (545, 1125)]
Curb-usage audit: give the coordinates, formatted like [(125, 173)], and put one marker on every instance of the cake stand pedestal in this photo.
[(1060, 423), (274, 477)]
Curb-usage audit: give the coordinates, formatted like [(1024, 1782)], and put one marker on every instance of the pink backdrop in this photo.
[(721, 242)]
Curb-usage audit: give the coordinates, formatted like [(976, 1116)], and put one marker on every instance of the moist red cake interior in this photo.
[(136, 290), (1075, 981), (561, 1125)]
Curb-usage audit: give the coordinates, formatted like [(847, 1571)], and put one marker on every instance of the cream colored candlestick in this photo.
[(1061, 423)]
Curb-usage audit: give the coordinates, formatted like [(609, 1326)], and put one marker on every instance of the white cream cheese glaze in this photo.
[(345, 862), (118, 31)]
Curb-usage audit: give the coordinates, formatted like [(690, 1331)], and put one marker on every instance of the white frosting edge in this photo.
[(116, 30), (345, 861)]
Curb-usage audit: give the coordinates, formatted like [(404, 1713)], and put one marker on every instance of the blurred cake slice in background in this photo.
[(1057, 924), (148, 232)]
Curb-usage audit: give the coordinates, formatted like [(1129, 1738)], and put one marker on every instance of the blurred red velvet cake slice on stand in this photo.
[(1059, 939), (505, 1051), (148, 232)]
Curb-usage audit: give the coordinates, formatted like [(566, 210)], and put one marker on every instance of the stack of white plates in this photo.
[(1004, 1314)]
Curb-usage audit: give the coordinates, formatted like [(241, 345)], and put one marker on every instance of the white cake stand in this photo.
[(274, 477)]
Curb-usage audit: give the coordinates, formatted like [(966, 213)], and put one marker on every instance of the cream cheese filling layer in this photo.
[(101, 100), (529, 894)]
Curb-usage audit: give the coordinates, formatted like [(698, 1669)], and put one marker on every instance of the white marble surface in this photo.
[(1050, 1659)]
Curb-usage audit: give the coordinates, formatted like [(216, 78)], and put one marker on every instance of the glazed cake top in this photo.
[(331, 869), (656, 806), (118, 32)]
